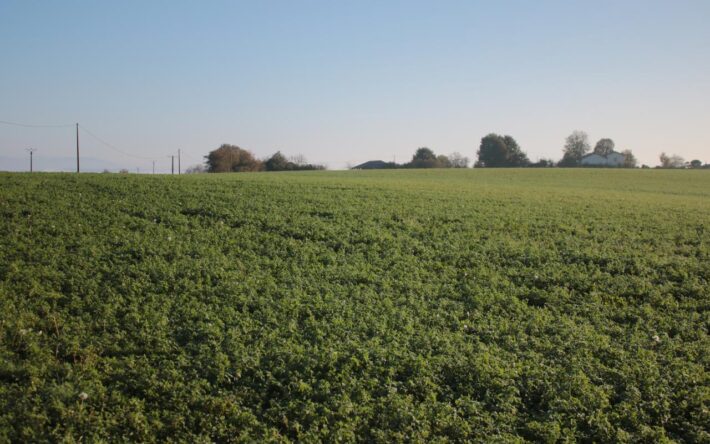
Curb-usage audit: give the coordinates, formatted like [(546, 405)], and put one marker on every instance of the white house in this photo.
[(613, 159)]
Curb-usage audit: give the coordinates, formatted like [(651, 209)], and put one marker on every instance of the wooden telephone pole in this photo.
[(77, 147), (31, 151)]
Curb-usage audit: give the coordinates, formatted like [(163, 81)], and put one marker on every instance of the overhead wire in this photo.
[(99, 139), (113, 147), (30, 125), (191, 156), (95, 137)]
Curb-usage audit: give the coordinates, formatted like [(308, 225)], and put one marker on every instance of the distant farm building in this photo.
[(612, 159)]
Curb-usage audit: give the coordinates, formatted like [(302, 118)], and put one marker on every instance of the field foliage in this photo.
[(384, 306)]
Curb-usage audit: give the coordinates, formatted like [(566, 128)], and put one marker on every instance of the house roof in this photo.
[(373, 165), (600, 155)]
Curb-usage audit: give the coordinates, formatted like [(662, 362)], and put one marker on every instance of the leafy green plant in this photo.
[(429, 305)]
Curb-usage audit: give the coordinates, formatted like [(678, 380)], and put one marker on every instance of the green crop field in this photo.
[(419, 306)]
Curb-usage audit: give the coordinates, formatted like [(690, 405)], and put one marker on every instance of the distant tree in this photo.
[(695, 163), (458, 160), (424, 153), (123, 171), (423, 158), (231, 158), (604, 147), (500, 151), (492, 152), (443, 162), (677, 161), (195, 169), (629, 159), (299, 159), (543, 163), (516, 156), (674, 161), (576, 146), (278, 162)]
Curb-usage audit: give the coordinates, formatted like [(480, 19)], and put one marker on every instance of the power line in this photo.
[(113, 147), (29, 125), (194, 157), (100, 140)]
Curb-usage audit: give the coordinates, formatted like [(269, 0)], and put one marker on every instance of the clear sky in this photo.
[(350, 81)]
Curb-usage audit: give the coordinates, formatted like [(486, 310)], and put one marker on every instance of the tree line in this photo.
[(501, 151), (494, 151), (233, 159), (423, 158)]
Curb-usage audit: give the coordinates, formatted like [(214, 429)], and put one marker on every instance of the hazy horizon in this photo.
[(349, 82)]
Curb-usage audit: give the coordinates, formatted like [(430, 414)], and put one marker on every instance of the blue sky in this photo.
[(345, 82)]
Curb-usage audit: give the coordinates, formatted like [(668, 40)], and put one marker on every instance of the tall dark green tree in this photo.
[(516, 156), (492, 152), (500, 151), (424, 153), (423, 158), (277, 162)]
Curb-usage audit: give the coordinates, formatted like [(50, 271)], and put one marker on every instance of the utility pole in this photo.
[(77, 147), (154, 167), (31, 151), (179, 169), (172, 164)]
